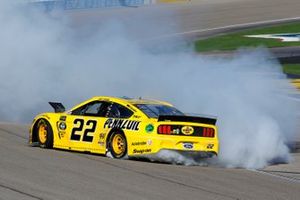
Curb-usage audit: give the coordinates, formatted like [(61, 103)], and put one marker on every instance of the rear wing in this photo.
[(58, 107), (183, 118)]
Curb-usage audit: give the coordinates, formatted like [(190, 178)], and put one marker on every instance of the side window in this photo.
[(95, 108), (119, 111)]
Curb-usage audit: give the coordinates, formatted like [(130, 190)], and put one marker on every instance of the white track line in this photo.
[(229, 26)]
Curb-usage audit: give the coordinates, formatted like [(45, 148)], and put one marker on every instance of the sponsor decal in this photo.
[(187, 130), (101, 143), (122, 124), (63, 118), (176, 131), (149, 128), (149, 142), (284, 37), (188, 145), (61, 134), (102, 136), (139, 143), (141, 151), (62, 126)]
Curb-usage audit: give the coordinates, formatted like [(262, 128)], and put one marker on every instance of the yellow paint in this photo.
[(296, 83), (138, 141), (42, 130), (118, 144)]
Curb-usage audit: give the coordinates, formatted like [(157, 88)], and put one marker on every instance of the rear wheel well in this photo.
[(110, 133)]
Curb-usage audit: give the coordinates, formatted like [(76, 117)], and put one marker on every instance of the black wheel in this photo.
[(44, 134), (117, 145)]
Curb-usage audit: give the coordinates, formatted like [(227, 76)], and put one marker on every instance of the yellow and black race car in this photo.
[(124, 127)]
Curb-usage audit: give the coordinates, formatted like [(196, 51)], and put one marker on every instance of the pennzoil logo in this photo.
[(187, 130), (122, 124)]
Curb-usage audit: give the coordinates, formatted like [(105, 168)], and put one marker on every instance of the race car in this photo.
[(124, 127)]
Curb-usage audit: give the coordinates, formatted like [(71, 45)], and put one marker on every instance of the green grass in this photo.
[(237, 40), (291, 69)]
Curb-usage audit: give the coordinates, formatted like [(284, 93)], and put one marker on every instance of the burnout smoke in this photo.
[(42, 58)]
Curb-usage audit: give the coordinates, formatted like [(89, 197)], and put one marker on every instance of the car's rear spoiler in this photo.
[(58, 107), (183, 118)]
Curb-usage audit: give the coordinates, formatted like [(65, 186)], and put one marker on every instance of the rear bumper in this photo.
[(184, 145)]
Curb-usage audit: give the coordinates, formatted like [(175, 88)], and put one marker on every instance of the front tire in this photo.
[(44, 134), (117, 145)]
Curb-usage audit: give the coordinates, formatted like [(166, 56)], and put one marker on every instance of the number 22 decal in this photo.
[(80, 123)]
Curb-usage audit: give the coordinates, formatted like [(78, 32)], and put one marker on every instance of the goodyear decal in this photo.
[(122, 124)]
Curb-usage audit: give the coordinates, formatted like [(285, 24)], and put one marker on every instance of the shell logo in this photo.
[(187, 130)]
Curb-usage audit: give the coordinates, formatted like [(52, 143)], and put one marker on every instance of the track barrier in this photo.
[(88, 4)]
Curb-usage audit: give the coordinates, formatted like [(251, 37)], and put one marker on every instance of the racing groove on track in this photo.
[(34, 173)]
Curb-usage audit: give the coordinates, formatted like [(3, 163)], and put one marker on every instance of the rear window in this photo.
[(154, 110)]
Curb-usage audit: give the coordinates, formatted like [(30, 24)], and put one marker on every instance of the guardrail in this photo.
[(88, 4)]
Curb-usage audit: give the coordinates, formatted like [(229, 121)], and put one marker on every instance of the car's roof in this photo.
[(132, 100)]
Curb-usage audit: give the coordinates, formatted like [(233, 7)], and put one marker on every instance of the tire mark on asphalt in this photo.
[(160, 178), (286, 178), (283, 172), (20, 192)]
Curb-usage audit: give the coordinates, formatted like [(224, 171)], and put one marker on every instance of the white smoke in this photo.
[(43, 58)]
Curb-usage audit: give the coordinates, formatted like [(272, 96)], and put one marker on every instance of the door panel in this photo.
[(85, 133)]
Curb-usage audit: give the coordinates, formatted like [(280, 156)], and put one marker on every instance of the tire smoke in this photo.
[(42, 58)]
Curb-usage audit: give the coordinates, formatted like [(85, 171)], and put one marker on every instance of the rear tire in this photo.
[(44, 134), (117, 145)]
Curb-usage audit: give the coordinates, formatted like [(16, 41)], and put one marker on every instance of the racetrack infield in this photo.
[(35, 173)]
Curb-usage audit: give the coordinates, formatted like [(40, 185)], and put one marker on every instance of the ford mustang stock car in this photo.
[(124, 127)]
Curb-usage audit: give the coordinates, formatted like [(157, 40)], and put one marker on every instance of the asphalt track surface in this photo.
[(34, 173)]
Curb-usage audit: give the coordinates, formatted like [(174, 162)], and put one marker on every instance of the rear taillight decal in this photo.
[(164, 129), (182, 130)]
